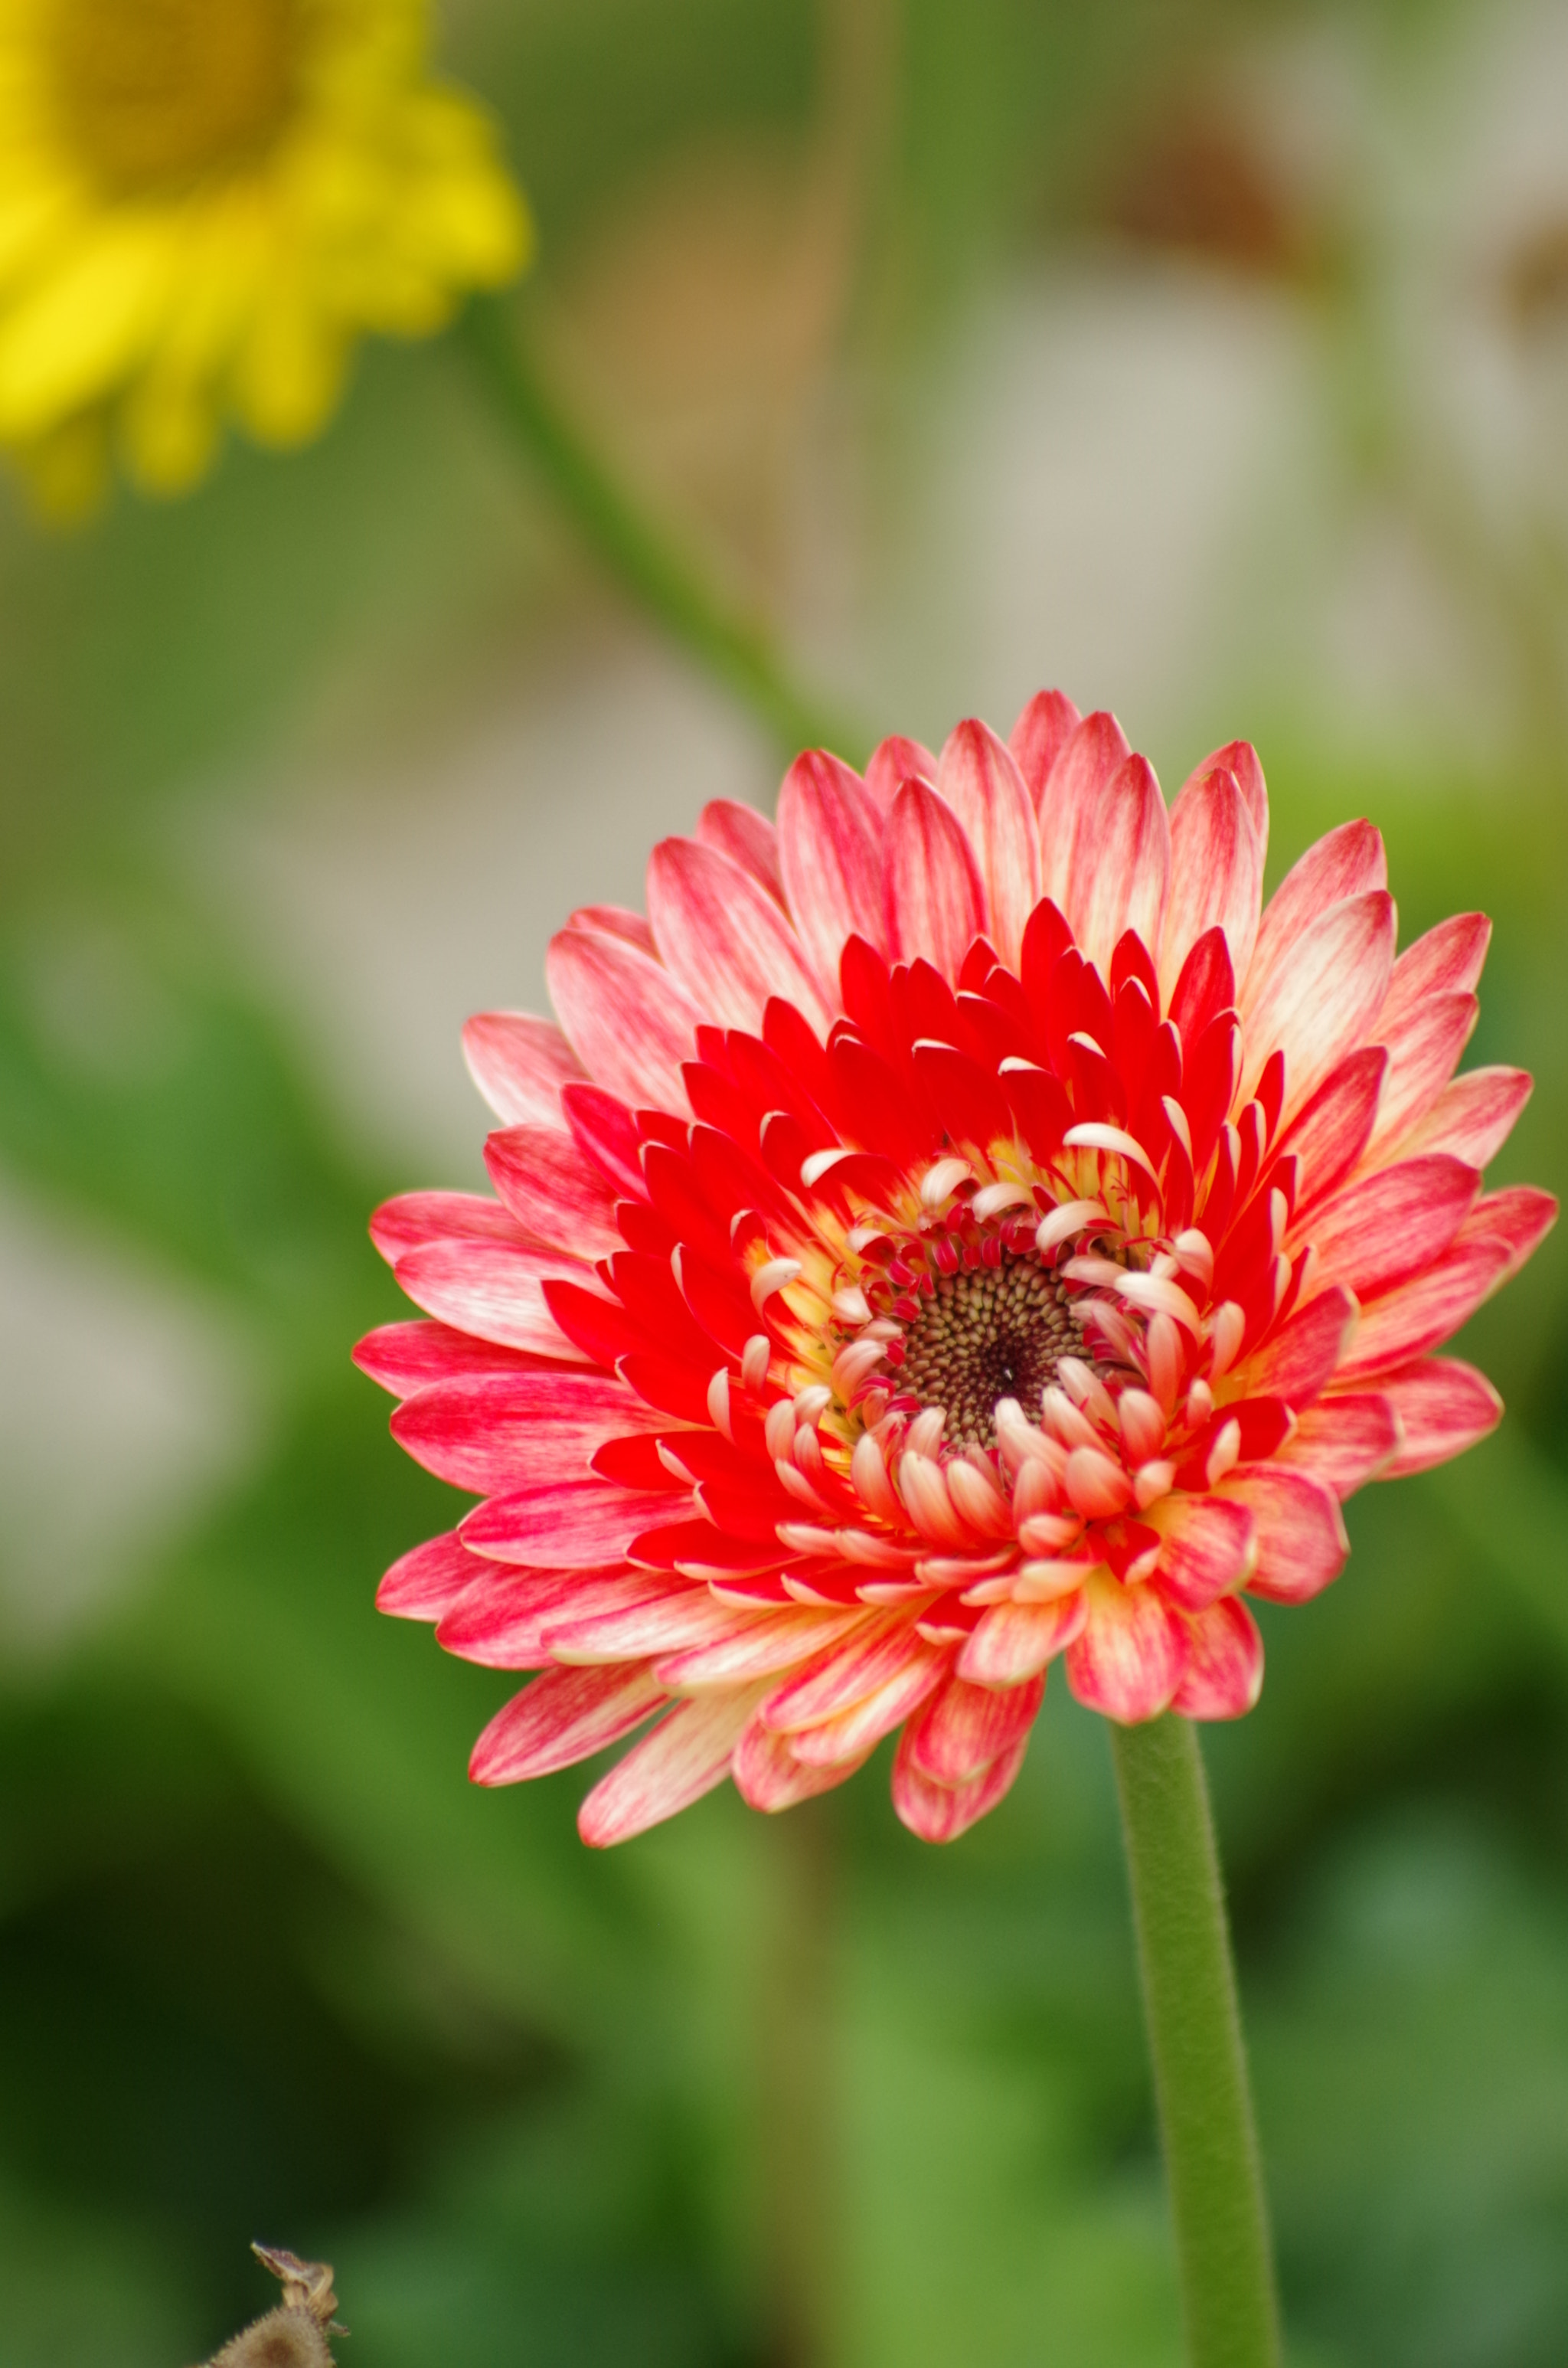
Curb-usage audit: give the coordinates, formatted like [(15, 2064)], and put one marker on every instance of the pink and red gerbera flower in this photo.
[(958, 1226)]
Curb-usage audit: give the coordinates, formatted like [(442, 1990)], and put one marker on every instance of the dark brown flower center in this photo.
[(988, 1333), (155, 92)]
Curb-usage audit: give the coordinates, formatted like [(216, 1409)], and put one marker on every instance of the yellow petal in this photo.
[(84, 325)]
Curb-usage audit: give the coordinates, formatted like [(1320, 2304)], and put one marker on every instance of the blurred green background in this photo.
[(1209, 361)]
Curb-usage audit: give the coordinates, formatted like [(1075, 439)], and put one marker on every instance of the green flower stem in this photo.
[(660, 575), (1195, 2039)]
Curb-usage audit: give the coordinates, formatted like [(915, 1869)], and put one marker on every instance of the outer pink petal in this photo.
[(1348, 861), (724, 939), (856, 1731), (1426, 1312), (564, 1716), (552, 1191), (1473, 1116), (411, 1218), (1128, 1663), (1209, 1546), (1344, 1441), (422, 1583), (747, 837), (1216, 875), (407, 1357), (768, 1776), (494, 1432), (1040, 735), (1089, 760), (985, 787), (1240, 757), (1301, 1358), (1320, 997), (614, 921), (1121, 852), (894, 761), (1013, 1642), (773, 1641), (651, 1628), (940, 1813), (1444, 1407), (1447, 961), (1333, 1126), (502, 1621), (962, 1728), (519, 1064), (1302, 1543), (933, 903), (1423, 1050), (1518, 1219), (568, 1523), (687, 1753), (830, 836), (1392, 1224), (845, 1673), (494, 1289), (626, 1016), (1224, 1663)]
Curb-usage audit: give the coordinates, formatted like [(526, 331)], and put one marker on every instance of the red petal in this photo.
[(564, 1716), (1332, 1129), (1224, 1663)]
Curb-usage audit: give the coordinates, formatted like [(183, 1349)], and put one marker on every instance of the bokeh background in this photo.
[(1209, 361)]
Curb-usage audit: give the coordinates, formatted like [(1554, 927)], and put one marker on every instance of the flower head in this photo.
[(956, 1228), (203, 203)]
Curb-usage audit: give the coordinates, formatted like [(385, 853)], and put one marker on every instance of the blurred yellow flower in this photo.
[(203, 203)]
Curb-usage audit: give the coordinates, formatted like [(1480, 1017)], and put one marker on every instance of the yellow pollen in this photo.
[(158, 92)]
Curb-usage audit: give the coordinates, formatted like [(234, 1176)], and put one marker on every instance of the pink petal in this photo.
[(1302, 1355), (830, 836), (1207, 1546), (1088, 762), (768, 1776), (1332, 1128), (500, 1620), (651, 1628), (1424, 1313), (1129, 1660), (567, 1523), (747, 837), (687, 1754), (1344, 1441), (1224, 1663), (1040, 735), (421, 1584), (1473, 1116), (985, 787), (1121, 852), (1302, 1543), (772, 1642), (494, 1289), (414, 1218), (614, 921), (940, 1813), (407, 1357), (933, 904), (564, 1716), (1349, 862), (626, 1016), (1014, 1642), (854, 1732), (894, 761), (519, 1065), (1444, 1406), (724, 940), (1319, 998), (1423, 1050), (1447, 961), (1216, 875), (1377, 1235), (962, 1728), (1239, 757), (552, 1191), (492, 1432), (845, 1673), (1518, 1219)]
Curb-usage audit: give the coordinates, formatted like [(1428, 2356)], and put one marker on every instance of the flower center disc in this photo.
[(160, 91), (988, 1332)]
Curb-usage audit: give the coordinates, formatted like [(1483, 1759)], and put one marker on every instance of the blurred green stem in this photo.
[(1195, 2039), (645, 560)]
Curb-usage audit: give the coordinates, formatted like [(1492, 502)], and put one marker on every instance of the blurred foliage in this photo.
[(268, 1965)]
